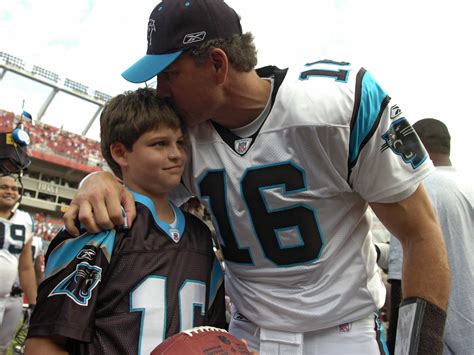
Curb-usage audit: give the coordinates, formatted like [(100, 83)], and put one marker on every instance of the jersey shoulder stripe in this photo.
[(370, 102), (217, 279), (68, 247)]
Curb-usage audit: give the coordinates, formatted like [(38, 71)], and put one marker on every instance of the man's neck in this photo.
[(440, 159), (246, 97), (5, 213)]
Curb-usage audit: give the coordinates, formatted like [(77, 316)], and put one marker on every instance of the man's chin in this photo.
[(193, 121), (7, 206)]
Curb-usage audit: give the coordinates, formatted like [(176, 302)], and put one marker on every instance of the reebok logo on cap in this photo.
[(151, 29), (194, 37)]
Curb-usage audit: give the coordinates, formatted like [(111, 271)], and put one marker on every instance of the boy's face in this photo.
[(156, 162)]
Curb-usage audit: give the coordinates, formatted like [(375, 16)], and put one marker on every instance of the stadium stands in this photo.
[(57, 142), (60, 159)]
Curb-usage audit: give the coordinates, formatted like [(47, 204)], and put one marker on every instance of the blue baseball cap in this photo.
[(177, 25)]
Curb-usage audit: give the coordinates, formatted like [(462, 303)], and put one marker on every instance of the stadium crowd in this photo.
[(53, 140), (46, 227)]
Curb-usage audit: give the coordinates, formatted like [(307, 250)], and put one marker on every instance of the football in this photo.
[(201, 340)]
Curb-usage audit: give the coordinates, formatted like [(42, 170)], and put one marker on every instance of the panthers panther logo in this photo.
[(402, 140), (78, 286), (151, 28)]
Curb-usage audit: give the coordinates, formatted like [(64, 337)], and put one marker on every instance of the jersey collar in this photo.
[(174, 232)]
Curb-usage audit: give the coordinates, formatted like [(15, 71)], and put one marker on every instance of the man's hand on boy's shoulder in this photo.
[(97, 203)]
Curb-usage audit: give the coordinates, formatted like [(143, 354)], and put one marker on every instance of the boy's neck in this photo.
[(165, 212), (161, 203)]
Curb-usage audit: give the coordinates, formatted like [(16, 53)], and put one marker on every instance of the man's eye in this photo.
[(167, 75), (170, 74)]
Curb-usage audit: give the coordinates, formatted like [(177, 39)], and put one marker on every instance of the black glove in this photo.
[(420, 328)]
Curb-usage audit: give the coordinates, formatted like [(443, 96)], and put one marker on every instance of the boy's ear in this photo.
[(119, 154)]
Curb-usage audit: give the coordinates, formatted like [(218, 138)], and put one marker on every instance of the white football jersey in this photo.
[(37, 247), (290, 202), (14, 234)]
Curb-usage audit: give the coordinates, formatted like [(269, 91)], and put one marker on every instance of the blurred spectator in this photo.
[(38, 252), (46, 227), (452, 196), (381, 239)]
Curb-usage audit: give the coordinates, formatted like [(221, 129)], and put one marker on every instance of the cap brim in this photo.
[(149, 66)]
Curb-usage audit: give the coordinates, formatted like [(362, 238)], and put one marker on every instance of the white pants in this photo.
[(11, 311), (362, 337)]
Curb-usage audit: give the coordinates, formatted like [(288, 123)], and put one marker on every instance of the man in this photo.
[(16, 230), (286, 161), (452, 195)]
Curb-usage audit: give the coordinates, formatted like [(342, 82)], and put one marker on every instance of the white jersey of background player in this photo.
[(37, 245), (290, 201), (16, 231)]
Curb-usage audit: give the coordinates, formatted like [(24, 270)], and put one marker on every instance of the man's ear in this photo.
[(119, 154), (221, 64)]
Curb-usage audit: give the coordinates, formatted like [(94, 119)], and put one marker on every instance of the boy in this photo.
[(124, 291)]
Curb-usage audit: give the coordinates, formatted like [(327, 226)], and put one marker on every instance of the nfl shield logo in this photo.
[(344, 328), (242, 145), (174, 235)]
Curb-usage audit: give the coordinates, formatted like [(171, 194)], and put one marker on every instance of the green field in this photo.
[(19, 336)]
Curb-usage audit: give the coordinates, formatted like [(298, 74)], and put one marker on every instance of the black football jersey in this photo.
[(125, 291)]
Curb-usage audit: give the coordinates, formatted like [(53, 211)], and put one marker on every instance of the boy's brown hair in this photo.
[(129, 115)]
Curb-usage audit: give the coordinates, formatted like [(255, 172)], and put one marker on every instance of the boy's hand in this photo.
[(97, 203)]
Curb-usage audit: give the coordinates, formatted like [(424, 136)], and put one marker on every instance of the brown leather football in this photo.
[(201, 341)]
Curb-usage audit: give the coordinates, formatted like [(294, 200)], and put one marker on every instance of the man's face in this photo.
[(191, 88), (9, 192)]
